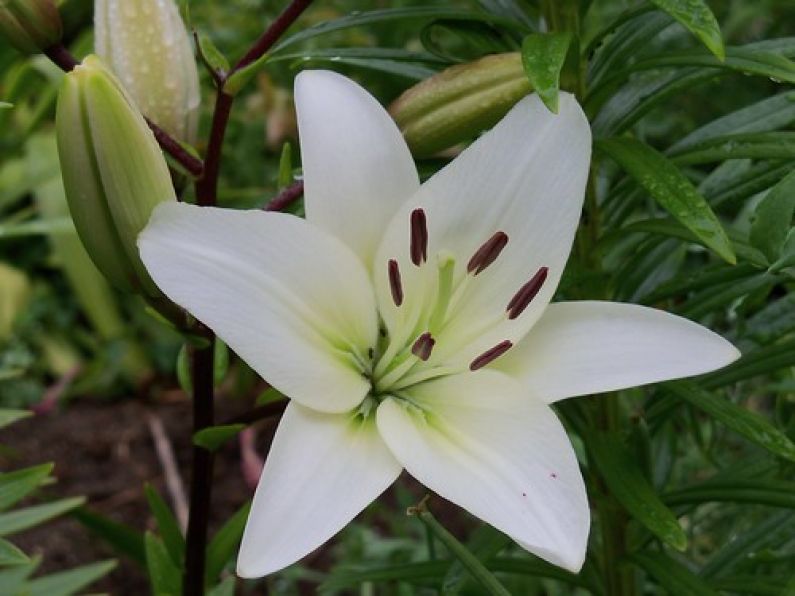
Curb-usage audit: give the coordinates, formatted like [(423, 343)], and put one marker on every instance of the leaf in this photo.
[(774, 493), (762, 145), (674, 577), (213, 437), (773, 218), (15, 486), (69, 582), (240, 78), (123, 539), (744, 422), (170, 532), (344, 577), (164, 576), (210, 55), (11, 555), (8, 417), (475, 567), (220, 361), (627, 483), (4, 105), (224, 544), (485, 543), (671, 189), (225, 588), (696, 16), (543, 57), (22, 519)]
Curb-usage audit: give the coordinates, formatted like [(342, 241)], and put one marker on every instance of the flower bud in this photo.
[(459, 102), (30, 25), (113, 172), (146, 45)]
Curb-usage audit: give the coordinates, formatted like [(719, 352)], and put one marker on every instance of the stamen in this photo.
[(423, 347), (526, 293), (394, 282), (419, 237), (491, 355), (487, 253)]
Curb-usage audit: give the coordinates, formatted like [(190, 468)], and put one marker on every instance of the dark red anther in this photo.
[(419, 237), (526, 293), (394, 282), (423, 347), (487, 253), (491, 355)]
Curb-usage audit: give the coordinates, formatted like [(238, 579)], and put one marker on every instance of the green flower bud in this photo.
[(146, 45), (113, 172), (459, 102), (30, 26)]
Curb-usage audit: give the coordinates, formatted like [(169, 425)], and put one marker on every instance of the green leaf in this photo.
[(69, 582), (172, 536), (11, 555), (241, 77), (750, 425), (761, 361), (4, 105), (696, 16), (543, 57), (774, 493), (211, 56), (164, 576), (627, 483), (671, 189), (344, 577), (225, 588), (13, 580), (471, 563), (485, 543), (773, 218), (224, 544), (220, 361), (183, 370), (762, 145), (213, 437), (22, 519), (674, 577), (285, 177), (123, 539), (15, 486), (8, 417)]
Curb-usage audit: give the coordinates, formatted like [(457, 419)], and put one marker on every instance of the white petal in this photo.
[(477, 441), (322, 470), (290, 299), (577, 348), (526, 177), (357, 167)]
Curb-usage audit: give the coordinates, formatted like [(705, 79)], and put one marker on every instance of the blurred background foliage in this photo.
[(716, 453)]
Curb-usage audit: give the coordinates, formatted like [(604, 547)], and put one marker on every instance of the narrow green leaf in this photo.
[(210, 55), (674, 577), (543, 57), (750, 425), (671, 189), (774, 493), (183, 370), (285, 177), (344, 577), (220, 361), (123, 539), (172, 536), (22, 519), (213, 437), (478, 571), (240, 78), (225, 588), (11, 555), (627, 483), (15, 486), (69, 582), (4, 105), (8, 417), (761, 361), (485, 543), (224, 544), (13, 580), (164, 576), (773, 218), (696, 16), (762, 145)]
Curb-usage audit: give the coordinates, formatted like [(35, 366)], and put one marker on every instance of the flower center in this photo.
[(404, 359)]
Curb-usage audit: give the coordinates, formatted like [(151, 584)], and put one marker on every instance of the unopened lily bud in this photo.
[(30, 25), (459, 102), (113, 172), (147, 46)]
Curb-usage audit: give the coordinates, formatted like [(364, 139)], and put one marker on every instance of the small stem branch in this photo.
[(287, 197)]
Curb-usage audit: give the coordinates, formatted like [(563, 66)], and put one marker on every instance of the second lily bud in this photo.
[(113, 171), (30, 25)]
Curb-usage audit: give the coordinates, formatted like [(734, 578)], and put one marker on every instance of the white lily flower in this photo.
[(411, 325)]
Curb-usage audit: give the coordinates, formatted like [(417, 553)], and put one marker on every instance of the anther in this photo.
[(487, 253), (423, 347), (394, 282), (419, 237), (491, 355), (526, 293)]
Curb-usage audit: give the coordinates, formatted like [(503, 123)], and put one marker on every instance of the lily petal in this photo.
[(269, 285), (526, 178), (322, 470), (357, 168), (578, 348), (479, 441)]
